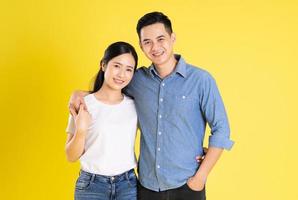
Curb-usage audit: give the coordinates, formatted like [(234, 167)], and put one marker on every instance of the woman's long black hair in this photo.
[(114, 50)]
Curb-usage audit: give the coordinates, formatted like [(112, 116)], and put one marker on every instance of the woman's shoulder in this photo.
[(128, 99), (90, 100), (89, 97)]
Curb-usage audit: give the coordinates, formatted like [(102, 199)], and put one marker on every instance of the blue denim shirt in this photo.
[(172, 114)]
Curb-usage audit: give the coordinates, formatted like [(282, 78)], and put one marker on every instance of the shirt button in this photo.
[(158, 149), (158, 166), (159, 133), (159, 116), (163, 84), (161, 99), (183, 97)]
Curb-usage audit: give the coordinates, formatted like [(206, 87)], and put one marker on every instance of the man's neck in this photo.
[(167, 68)]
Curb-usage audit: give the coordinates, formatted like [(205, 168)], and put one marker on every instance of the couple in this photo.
[(171, 101)]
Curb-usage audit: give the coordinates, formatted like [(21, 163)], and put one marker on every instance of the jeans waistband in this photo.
[(108, 179)]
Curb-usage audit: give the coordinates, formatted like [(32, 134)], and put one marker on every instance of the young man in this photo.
[(174, 101)]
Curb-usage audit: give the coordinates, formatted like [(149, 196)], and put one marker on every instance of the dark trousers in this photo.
[(181, 193)]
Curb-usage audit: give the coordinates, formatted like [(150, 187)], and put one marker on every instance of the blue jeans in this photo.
[(97, 187)]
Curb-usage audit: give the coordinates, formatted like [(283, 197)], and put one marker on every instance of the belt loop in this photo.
[(92, 177), (126, 175)]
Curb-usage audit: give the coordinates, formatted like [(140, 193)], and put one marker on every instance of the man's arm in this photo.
[(213, 109), (76, 99), (197, 182)]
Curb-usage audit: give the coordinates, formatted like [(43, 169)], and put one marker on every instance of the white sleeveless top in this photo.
[(109, 146)]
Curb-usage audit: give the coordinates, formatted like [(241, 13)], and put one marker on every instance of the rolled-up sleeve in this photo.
[(215, 114)]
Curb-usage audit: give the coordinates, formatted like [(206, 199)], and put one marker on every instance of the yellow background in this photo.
[(50, 48)]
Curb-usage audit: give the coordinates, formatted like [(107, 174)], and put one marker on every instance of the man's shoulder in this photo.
[(197, 71), (141, 72), (142, 69), (138, 78)]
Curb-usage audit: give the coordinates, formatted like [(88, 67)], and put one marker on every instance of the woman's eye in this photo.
[(117, 66)]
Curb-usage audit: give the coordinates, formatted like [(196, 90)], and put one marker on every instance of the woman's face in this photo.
[(119, 71)]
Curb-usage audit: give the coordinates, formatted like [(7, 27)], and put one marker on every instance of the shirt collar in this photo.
[(180, 67)]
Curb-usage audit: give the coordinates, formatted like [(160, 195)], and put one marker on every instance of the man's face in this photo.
[(157, 43)]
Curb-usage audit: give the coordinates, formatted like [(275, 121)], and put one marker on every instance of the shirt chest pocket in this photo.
[(182, 103)]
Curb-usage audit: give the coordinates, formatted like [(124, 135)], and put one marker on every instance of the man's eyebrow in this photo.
[(145, 40), (161, 36), (158, 37)]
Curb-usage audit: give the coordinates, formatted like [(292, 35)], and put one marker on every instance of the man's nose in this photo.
[(155, 46)]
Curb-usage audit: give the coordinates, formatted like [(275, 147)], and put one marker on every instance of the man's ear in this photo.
[(140, 44), (173, 37)]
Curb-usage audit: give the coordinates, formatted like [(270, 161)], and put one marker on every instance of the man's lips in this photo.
[(157, 54)]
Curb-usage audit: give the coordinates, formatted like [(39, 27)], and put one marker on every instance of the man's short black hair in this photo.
[(152, 18)]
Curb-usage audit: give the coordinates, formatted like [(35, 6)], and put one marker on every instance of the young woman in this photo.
[(102, 134)]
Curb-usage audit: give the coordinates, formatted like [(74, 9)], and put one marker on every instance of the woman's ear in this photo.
[(102, 66)]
